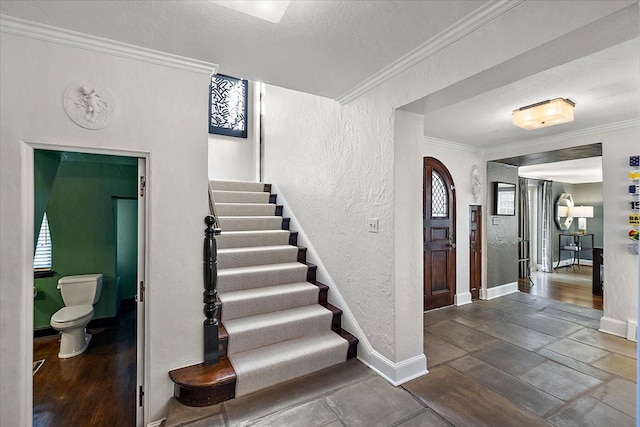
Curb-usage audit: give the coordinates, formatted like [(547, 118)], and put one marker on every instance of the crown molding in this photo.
[(451, 144), (609, 127), (48, 33), (455, 32)]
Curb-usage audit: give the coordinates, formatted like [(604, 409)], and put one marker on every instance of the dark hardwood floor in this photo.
[(96, 388), (564, 284)]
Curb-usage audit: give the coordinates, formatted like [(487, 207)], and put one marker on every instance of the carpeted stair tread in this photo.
[(277, 363), (221, 196), (235, 279), (245, 209), (250, 302), (239, 239), (259, 255), (237, 186), (246, 223), (248, 333)]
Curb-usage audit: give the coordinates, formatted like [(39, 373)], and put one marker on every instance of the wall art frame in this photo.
[(228, 99)]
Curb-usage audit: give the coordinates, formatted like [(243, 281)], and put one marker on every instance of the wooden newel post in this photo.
[(210, 295)]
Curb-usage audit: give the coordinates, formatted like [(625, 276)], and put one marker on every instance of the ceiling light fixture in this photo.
[(546, 113), (271, 11)]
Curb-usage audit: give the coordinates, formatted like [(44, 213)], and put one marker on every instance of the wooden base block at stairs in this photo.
[(200, 385)]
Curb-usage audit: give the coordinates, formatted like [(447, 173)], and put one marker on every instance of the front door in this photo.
[(439, 234)]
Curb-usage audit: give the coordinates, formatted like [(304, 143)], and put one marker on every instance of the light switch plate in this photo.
[(373, 225)]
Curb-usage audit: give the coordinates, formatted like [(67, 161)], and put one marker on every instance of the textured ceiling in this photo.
[(320, 47)]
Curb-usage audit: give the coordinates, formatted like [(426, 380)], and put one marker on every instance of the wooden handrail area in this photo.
[(210, 295)]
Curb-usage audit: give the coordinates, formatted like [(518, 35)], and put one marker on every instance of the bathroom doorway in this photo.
[(95, 208)]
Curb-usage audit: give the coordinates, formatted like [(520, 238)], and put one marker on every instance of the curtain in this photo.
[(524, 239), (547, 221)]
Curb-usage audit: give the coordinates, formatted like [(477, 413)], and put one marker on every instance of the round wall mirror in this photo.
[(563, 211)]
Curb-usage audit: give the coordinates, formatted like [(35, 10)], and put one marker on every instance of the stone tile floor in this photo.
[(519, 360)]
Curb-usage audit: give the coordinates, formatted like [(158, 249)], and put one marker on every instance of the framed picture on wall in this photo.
[(504, 198), (228, 106)]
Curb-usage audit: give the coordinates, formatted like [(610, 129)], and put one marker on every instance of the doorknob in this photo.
[(451, 245)]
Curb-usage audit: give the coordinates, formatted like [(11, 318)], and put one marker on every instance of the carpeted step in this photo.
[(241, 197), (259, 255), (250, 302), (245, 209), (248, 333), (237, 186), (247, 223), (267, 366), (235, 279), (241, 239)]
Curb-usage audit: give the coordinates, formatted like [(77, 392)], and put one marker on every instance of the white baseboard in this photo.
[(462, 299), (632, 331), (567, 263), (612, 326), (499, 291), (156, 423), (396, 373)]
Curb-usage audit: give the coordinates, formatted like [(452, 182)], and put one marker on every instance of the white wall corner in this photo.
[(462, 299), (396, 373), (612, 326), (502, 290), (632, 331)]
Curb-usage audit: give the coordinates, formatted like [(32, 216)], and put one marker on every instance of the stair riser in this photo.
[(235, 259), (228, 240), (241, 197), (256, 187), (245, 209), (297, 297), (327, 352), (263, 335), (236, 282), (231, 223)]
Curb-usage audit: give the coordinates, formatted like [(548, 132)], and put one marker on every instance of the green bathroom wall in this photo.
[(83, 228), (47, 163)]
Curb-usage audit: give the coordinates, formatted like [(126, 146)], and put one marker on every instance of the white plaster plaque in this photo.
[(476, 183), (88, 105)]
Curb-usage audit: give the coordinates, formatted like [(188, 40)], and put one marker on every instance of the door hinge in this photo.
[(141, 291), (143, 184), (140, 396)]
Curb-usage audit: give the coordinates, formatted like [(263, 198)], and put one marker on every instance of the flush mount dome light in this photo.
[(271, 11), (543, 114)]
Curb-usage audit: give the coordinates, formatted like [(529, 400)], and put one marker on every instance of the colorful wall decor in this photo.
[(634, 205)]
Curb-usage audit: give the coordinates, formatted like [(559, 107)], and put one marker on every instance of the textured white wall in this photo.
[(160, 111), (335, 164)]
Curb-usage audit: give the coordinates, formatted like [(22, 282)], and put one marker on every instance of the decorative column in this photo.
[(210, 295)]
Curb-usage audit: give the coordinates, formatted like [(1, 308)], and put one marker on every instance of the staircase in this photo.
[(275, 322)]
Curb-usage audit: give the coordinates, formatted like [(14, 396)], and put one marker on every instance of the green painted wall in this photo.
[(44, 175), (83, 228)]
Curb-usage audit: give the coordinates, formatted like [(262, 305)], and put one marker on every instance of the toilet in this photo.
[(79, 293)]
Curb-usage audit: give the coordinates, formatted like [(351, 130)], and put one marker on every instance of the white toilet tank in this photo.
[(80, 290)]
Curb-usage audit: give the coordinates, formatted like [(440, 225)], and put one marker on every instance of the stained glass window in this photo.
[(438, 196), (228, 106)]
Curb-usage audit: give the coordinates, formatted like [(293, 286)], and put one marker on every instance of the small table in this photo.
[(573, 243)]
